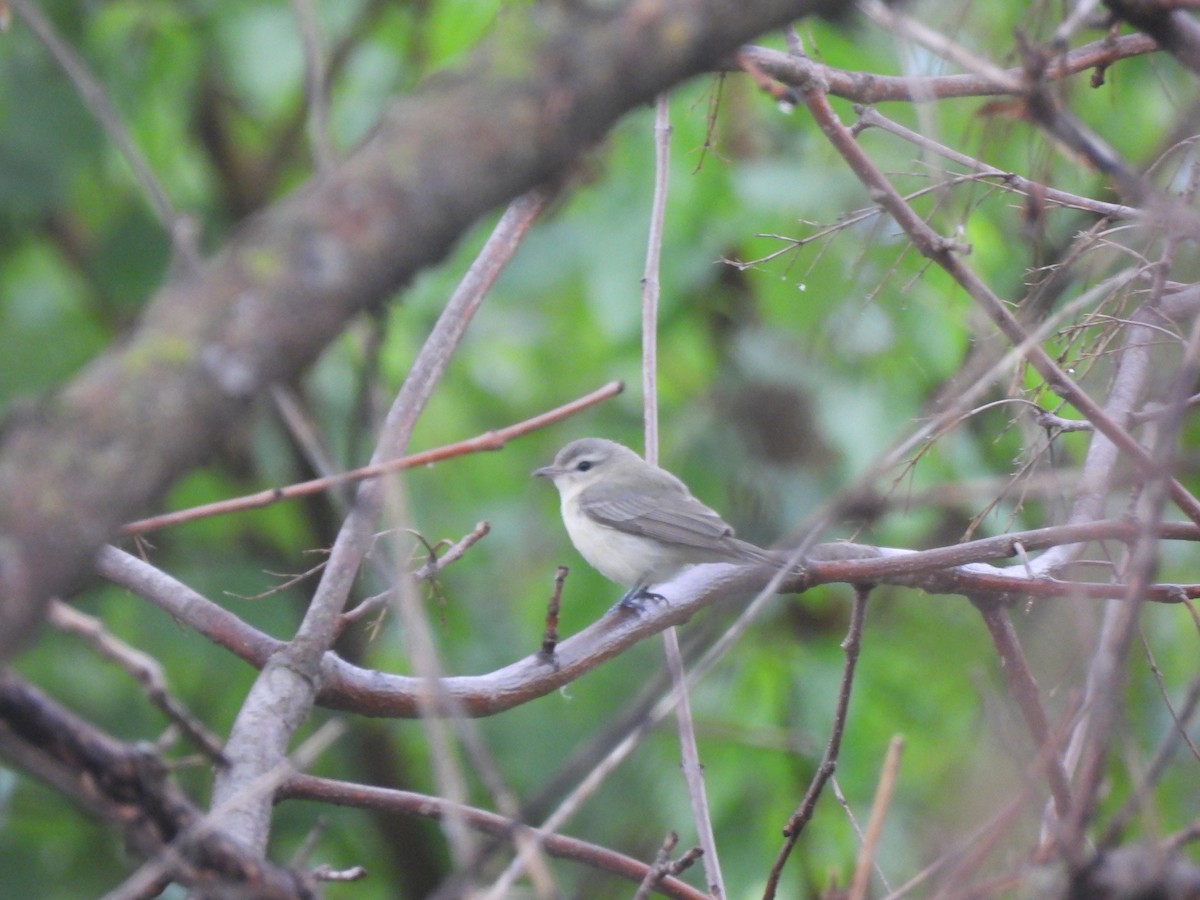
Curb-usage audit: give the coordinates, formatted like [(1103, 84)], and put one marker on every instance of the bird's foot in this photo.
[(632, 601)]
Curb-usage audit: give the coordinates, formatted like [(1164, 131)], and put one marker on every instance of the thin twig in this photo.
[(942, 252), (96, 99), (664, 866), (303, 429), (142, 667), (861, 881), (659, 868), (316, 89), (693, 771), (895, 22), (869, 117), (490, 440), (828, 766), (872, 87), (858, 832), (428, 570), (550, 634), (264, 785), (651, 284), (1025, 693), (326, 791), (1114, 649), (1176, 735)]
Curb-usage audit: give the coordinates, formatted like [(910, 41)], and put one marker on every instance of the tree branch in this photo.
[(127, 787)]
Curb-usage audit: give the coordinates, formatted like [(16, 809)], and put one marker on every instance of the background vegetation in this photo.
[(803, 337)]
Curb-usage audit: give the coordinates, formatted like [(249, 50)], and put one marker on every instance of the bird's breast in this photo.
[(627, 559)]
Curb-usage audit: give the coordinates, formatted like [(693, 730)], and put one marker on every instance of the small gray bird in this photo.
[(635, 523)]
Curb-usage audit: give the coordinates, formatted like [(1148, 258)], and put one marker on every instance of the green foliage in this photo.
[(779, 383)]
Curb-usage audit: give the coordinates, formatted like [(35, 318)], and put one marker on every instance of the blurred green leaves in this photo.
[(780, 383)]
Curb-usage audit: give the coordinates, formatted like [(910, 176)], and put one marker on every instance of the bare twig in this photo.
[(858, 831), (1110, 667), (128, 788), (895, 22), (1175, 736), (307, 787), (693, 772), (869, 117), (651, 286), (143, 668), (664, 866), (428, 570), (941, 252), (828, 766), (303, 430), (550, 635), (347, 687), (95, 98), (871, 87), (148, 876), (861, 881), (1025, 693), (316, 89), (491, 440)]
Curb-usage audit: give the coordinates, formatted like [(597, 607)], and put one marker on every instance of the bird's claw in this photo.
[(632, 601)]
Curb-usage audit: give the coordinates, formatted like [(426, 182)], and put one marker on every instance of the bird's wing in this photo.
[(670, 516)]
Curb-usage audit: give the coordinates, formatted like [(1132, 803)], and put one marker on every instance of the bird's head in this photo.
[(585, 462)]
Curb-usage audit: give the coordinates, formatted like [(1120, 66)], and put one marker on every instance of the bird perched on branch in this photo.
[(635, 523)]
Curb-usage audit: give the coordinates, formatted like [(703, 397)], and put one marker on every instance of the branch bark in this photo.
[(128, 788)]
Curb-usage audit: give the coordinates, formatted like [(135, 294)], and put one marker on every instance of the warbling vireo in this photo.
[(635, 523)]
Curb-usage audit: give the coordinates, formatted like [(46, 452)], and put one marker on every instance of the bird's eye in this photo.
[(584, 466)]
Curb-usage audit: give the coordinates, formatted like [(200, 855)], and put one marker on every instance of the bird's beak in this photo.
[(544, 472)]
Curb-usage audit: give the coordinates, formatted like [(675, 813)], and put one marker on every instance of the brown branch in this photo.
[(284, 693), (664, 866), (127, 787), (324, 790), (869, 117), (869, 88), (550, 633), (1024, 691), (1109, 672), (491, 440), (803, 813), (143, 668), (941, 570)]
